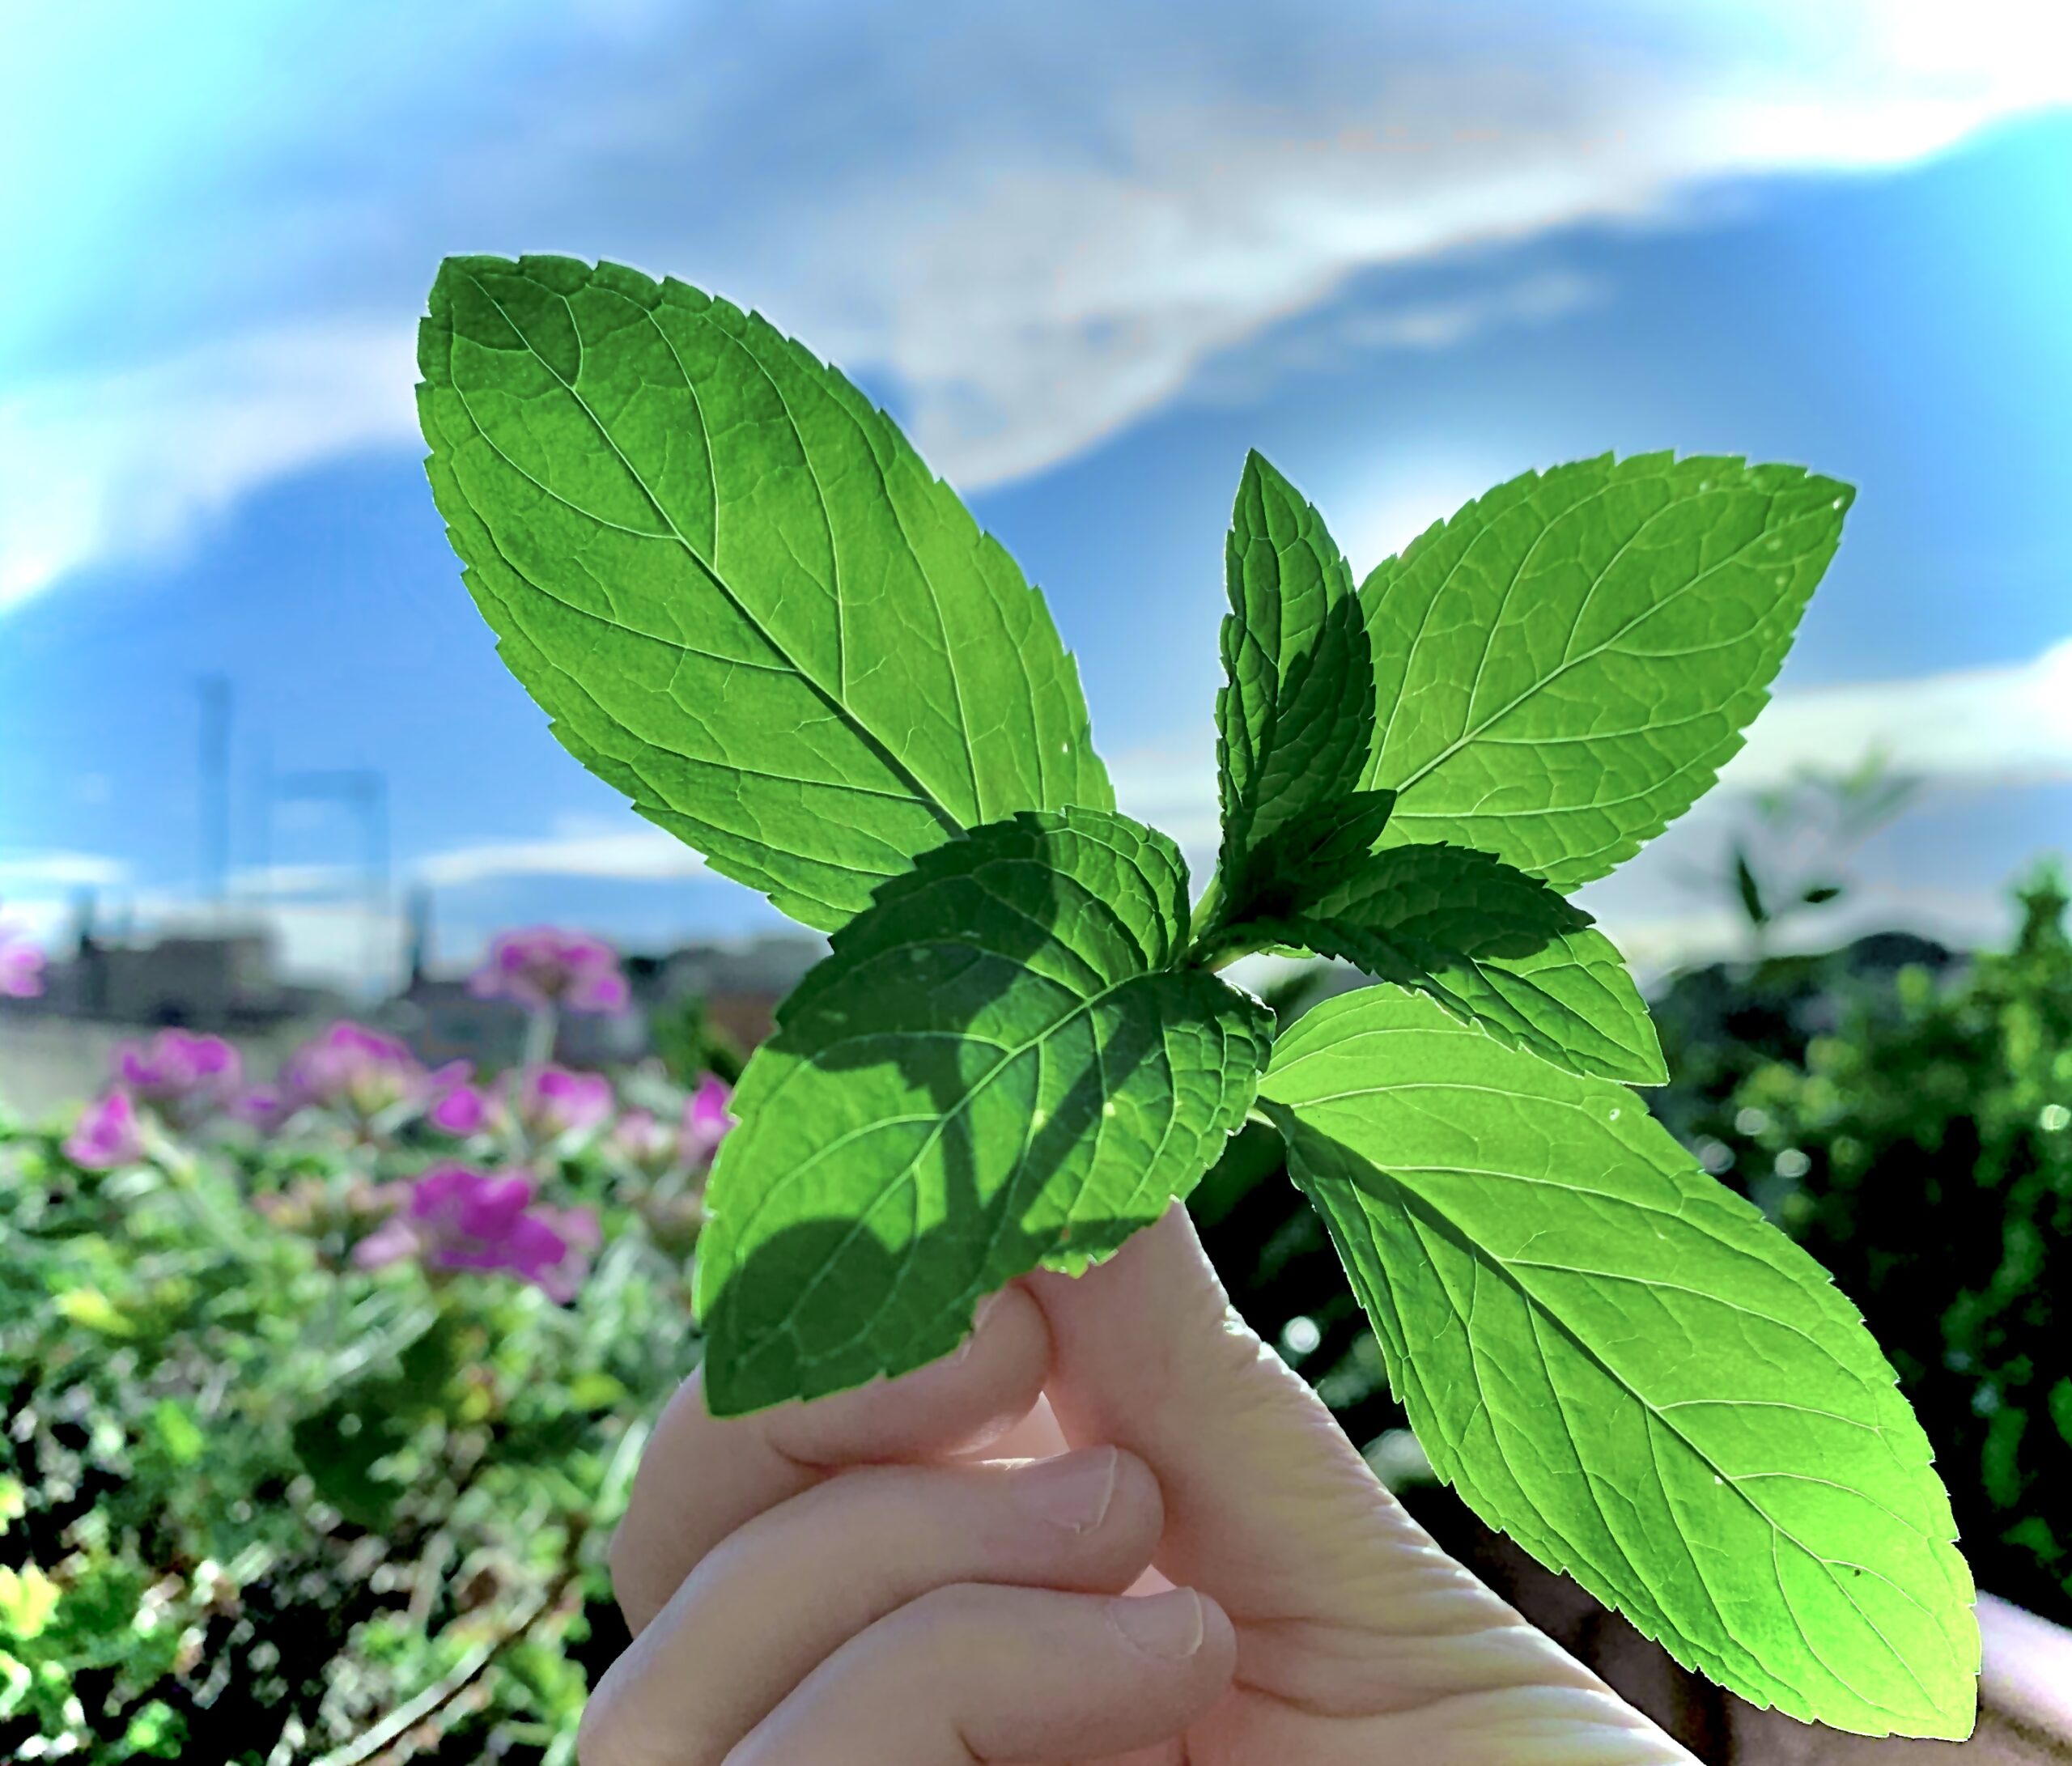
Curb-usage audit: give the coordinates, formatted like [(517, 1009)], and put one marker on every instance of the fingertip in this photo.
[(1177, 1625), (703, 1476), (957, 1404)]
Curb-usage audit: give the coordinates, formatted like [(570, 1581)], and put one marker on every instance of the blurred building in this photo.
[(221, 978)]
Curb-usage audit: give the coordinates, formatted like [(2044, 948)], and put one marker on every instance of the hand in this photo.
[(864, 1580)]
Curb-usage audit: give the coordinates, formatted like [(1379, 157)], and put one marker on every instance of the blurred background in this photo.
[(271, 809)]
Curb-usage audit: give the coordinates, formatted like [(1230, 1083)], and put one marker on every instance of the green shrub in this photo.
[(260, 1503)]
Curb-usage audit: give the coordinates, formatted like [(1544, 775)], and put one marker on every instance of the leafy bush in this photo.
[(318, 1427)]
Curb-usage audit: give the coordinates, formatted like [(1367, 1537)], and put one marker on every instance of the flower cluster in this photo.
[(367, 1100), (653, 1146), (365, 1073), (21, 967), (108, 1133), (456, 1217), (543, 968), (542, 1102), (181, 1073)]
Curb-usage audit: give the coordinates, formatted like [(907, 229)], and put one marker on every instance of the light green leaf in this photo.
[(1494, 946), (1294, 718), (178, 1433), (1624, 1367), (1563, 668), (997, 1066), (739, 593)]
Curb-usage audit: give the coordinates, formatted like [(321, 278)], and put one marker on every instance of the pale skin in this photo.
[(1114, 1530)]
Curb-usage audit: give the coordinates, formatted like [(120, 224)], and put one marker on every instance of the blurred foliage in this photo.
[(688, 1042), (258, 1505)]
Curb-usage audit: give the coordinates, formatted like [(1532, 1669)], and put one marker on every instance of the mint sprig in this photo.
[(746, 603)]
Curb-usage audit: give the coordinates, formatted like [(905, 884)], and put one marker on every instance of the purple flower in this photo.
[(463, 1110), (21, 967), (706, 1120), (265, 1107), (178, 1069), (550, 1101), (353, 1068), (106, 1135), (543, 966), (688, 1143), (458, 1217)]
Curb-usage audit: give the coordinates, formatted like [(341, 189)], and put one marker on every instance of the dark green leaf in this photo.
[(739, 593), (1496, 947), (997, 1066), (1294, 718), (1749, 891)]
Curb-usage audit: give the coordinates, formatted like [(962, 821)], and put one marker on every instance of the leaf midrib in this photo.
[(898, 768), (1469, 736)]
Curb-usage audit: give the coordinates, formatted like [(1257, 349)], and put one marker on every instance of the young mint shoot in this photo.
[(746, 602)]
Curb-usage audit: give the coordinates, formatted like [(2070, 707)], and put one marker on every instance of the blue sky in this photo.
[(1408, 251)]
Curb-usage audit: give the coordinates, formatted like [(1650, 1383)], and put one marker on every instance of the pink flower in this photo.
[(464, 1109), (706, 1120), (543, 966), (178, 1069), (550, 1101), (458, 1217), (106, 1135), (21, 967), (353, 1068), (686, 1144)]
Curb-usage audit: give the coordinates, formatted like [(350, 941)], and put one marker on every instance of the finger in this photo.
[(1268, 1507), (1263, 1492), (976, 1672), (703, 1476), (774, 1600)]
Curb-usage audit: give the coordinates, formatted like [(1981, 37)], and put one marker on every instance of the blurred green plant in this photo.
[(261, 1503), (1792, 856)]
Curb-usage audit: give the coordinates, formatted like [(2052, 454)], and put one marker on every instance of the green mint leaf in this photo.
[(997, 1066), (1623, 1366), (1494, 946), (739, 593), (1295, 717), (1563, 668)]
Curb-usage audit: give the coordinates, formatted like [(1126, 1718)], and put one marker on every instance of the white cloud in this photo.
[(1037, 235), (1250, 374), (1033, 306), (276, 882), (2010, 725), (639, 854), (124, 464), (41, 872)]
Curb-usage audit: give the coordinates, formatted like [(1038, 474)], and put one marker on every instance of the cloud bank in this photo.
[(1031, 249)]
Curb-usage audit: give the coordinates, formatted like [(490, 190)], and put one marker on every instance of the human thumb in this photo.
[(1268, 1506)]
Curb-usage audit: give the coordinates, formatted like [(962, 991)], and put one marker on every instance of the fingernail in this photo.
[(1072, 1491), (978, 1316), (1167, 1625)]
